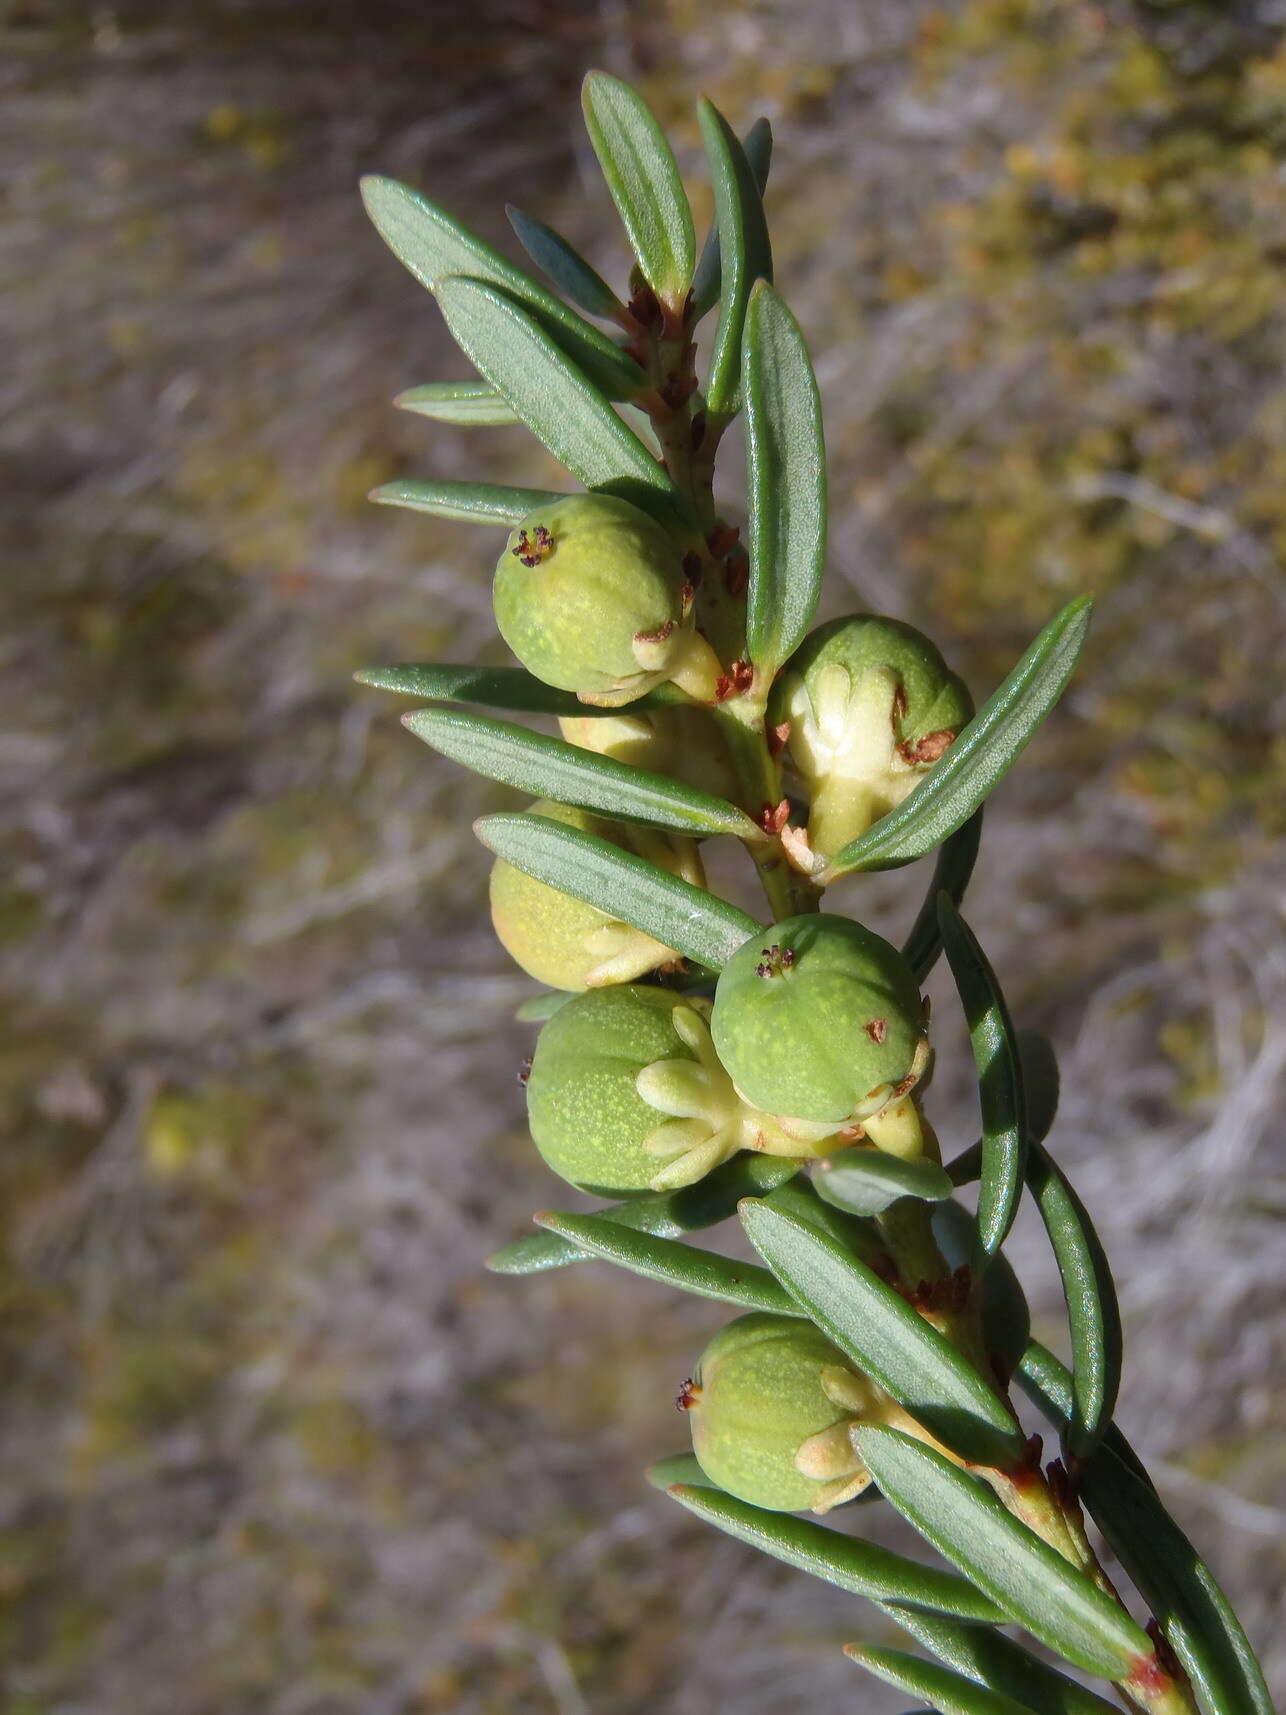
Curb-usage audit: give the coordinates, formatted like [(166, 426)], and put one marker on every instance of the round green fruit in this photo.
[(591, 596), (869, 705), (770, 1407), (587, 1118), (819, 1019), (559, 940)]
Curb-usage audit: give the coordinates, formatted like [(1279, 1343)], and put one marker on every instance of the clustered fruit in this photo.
[(814, 1040)]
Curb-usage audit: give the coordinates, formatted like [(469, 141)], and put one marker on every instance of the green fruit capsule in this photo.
[(870, 706), (820, 1019), (626, 1093), (591, 596), (770, 1409), (565, 943)]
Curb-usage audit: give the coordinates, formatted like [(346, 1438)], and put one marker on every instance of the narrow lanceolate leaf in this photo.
[(868, 1181), (695, 923), (706, 282), (786, 480), (1093, 1315), (1000, 1081), (702, 1272), (667, 1214), (949, 1692), (951, 875), (551, 768), (433, 246), (885, 1337), (498, 688), (983, 1654), (1031, 1581), (1176, 1583), (558, 402), (643, 177), (981, 756), (471, 502), (678, 1468), (861, 1568), (743, 247), (1006, 1319), (564, 265), (475, 403)]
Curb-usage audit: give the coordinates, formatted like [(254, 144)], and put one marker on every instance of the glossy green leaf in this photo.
[(564, 265), (868, 1181), (861, 1568), (678, 1468), (1006, 1319), (702, 1272), (551, 768), (785, 480), (643, 178), (885, 1337), (558, 402), (1040, 1085), (695, 923), (467, 403), (434, 247), (541, 1006), (744, 248), (985, 1655), (1031, 1581), (1000, 1081), (949, 1692), (471, 502), (951, 875), (500, 688), (1179, 1587), (667, 1214), (799, 1199), (981, 756), (757, 144)]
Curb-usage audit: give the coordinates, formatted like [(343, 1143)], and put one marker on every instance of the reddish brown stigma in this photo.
[(534, 546)]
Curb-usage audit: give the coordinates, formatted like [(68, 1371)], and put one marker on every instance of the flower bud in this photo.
[(626, 1093), (771, 1408), (591, 596), (870, 706), (820, 1019), (563, 942)]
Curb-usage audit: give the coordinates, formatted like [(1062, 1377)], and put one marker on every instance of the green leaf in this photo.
[(1040, 1085), (695, 923), (987, 1656), (885, 1337), (678, 1468), (565, 266), (950, 1692), (434, 247), (667, 1214), (951, 875), (861, 1568), (868, 1181), (1000, 1081), (469, 403), (799, 1199), (1006, 1319), (551, 768), (706, 283), (500, 688), (541, 1006), (1031, 1581), (1179, 1587), (981, 756), (643, 177), (785, 481), (558, 402), (472, 502), (690, 1269), (743, 246)]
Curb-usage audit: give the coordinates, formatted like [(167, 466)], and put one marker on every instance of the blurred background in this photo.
[(273, 1440)]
